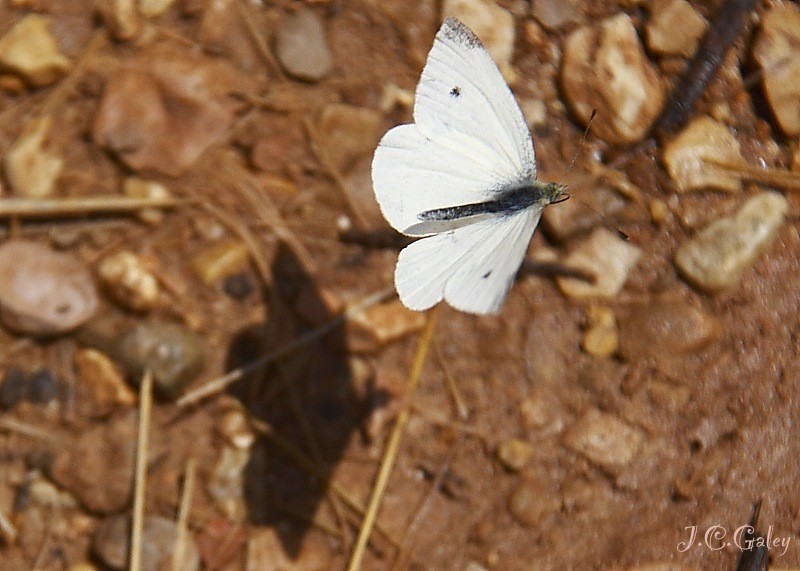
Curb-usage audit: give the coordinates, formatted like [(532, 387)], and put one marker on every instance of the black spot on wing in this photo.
[(487, 274), (456, 91)]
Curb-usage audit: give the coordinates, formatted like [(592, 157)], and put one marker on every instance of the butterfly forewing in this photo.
[(462, 92)]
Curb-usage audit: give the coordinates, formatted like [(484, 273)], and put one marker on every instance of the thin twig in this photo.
[(393, 446), (182, 535), (762, 175), (23, 428), (33, 208), (145, 407), (461, 407)]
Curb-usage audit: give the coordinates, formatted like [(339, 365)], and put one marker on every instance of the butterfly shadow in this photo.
[(308, 398)]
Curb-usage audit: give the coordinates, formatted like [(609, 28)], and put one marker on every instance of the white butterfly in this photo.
[(463, 175)]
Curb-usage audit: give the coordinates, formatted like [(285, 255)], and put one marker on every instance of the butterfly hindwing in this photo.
[(471, 267)]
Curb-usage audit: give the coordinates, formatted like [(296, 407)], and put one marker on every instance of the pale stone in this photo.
[(30, 50), (687, 157), (605, 69), (718, 256), (301, 46), (604, 439), (605, 256), (129, 280), (31, 169), (600, 338), (777, 51), (674, 28)]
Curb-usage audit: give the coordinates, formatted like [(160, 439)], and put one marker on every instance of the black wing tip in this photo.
[(456, 30)]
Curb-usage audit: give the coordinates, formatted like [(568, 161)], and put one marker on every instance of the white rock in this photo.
[(717, 257), (153, 8), (43, 292), (686, 157), (607, 257), (777, 51), (600, 338), (30, 50), (604, 439), (302, 47), (491, 23), (674, 28), (605, 69), (30, 169), (129, 280)]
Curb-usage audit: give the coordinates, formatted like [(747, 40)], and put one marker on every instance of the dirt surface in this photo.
[(694, 414)]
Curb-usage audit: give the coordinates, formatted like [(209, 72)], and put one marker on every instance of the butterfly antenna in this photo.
[(580, 147), (622, 234)]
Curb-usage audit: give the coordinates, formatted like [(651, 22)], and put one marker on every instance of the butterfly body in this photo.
[(462, 177)]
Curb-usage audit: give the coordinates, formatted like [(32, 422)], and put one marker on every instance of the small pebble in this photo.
[(514, 453), (239, 285), (220, 260), (605, 68), (674, 28), (301, 46), (347, 133), (162, 113), (153, 8), (235, 428), (97, 469), (542, 412), (369, 330), (30, 50), (685, 157), (604, 439), (43, 492), (30, 168), (43, 292), (668, 396), (493, 25), (659, 212), (664, 329), (777, 51), (122, 18), (600, 339), (226, 482), (556, 14), (14, 388), (718, 256), (550, 345), (43, 387), (171, 352), (105, 383), (532, 501), (129, 281), (135, 187), (607, 257), (111, 544)]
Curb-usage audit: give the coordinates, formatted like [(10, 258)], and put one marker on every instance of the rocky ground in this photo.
[(187, 188)]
